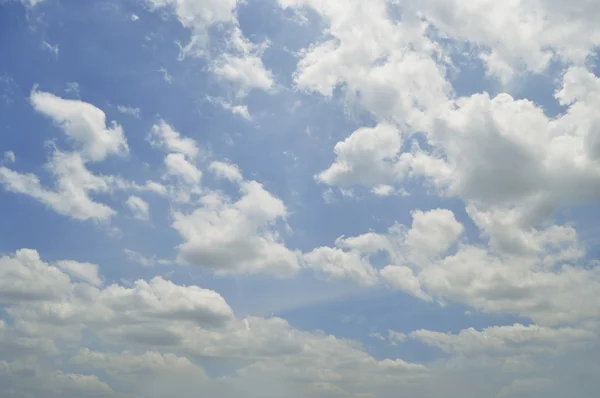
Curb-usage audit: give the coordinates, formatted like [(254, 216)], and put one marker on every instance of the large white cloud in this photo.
[(428, 260), (151, 317), (543, 29), (389, 68)]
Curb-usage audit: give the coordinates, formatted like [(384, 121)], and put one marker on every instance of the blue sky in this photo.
[(270, 198)]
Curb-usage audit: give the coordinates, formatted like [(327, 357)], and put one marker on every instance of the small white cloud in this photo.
[(396, 337), (162, 135), (145, 261), (242, 111), (139, 207), (72, 87), (167, 77), (383, 190), (177, 165), (128, 110), (50, 47), (238, 110), (9, 157), (226, 170), (134, 17), (86, 272)]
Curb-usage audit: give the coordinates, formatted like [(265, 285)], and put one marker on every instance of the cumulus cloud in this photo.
[(368, 157), (507, 45), (225, 170), (236, 236), (388, 67), (70, 196), (83, 123), (162, 135), (237, 60), (175, 318), (139, 207)]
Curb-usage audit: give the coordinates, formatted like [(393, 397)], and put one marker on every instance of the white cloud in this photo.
[(167, 77), (134, 17), (162, 135), (144, 260), (238, 110), (428, 261), (388, 67), (503, 340), (72, 87), (162, 322), (403, 278), (26, 278), (128, 110), (83, 123), (225, 170), (86, 272), (336, 263), (199, 16), (139, 207), (9, 157), (52, 48), (73, 186), (368, 156), (238, 61), (508, 45), (180, 163), (31, 3), (177, 165), (236, 236), (166, 316), (247, 70)]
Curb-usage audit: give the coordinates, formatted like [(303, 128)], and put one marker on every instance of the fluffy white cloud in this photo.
[(386, 66), (247, 70), (368, 157), (139, 207), (225, 170), (162, 135), (543, 30), (25, 277), (71, 195), (428, 261), (177, 165), (83, 123), (166, 316), (337, 263), (236, 236)]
